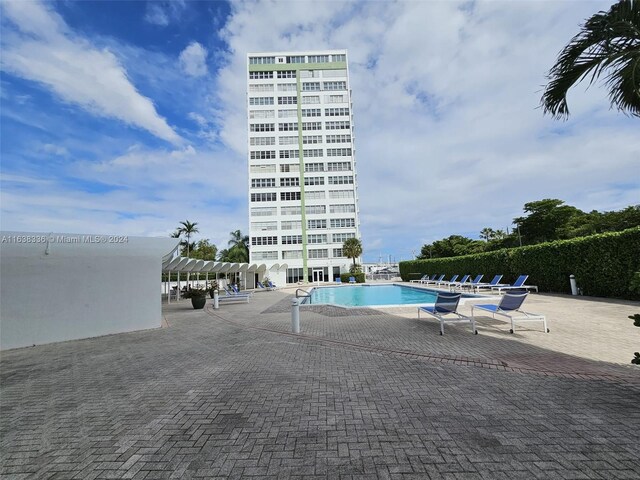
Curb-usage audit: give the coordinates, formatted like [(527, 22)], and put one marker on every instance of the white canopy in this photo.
[(194, 265)]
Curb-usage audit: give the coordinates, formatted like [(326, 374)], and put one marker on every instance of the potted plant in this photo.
[(198, 297), (212, 287)]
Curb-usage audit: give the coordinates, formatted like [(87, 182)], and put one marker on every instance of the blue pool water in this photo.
[(370, 295)]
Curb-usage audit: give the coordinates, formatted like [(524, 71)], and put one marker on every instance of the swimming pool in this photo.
[(373, 295)]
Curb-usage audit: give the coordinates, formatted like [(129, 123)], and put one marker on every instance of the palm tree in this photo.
[(609, 41), (352, 248), (239, 245), (487, 233), (188, 229)]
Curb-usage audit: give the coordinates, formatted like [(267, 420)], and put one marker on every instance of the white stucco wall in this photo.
[(64, 291)]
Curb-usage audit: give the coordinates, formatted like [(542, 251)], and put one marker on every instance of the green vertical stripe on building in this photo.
[(303, 209)]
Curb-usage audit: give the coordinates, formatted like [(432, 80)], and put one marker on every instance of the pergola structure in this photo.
[(193, 265)]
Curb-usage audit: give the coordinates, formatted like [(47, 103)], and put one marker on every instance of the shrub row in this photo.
[(603, 264), (344, 277)]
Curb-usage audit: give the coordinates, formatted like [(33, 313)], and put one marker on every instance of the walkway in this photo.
[(230, 394)]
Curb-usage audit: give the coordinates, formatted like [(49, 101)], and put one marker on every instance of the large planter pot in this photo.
[(198, 302)]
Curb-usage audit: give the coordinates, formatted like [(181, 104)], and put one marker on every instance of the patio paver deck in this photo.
[(230, 394)]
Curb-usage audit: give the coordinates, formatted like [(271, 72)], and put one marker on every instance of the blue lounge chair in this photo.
[(453, 285), (352, 279), (338, 280), (447, 304), (495, 282), (443, 283), (230, 292), (261, 286), (509, 307), (435, 280), (271, 285), (517, 285), (472, 284), (421, 279), (237, 291)]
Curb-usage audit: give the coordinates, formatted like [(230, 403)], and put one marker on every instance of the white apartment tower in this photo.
[(303, 201)]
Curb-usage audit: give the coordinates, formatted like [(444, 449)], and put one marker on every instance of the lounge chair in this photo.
[(495, 282), (517, 285), (352, 279), (509, 307), (444, 283), (271, 285), (447, 304), (237, 291), (464, 280), (338, 280), (434, 281), (233, 293), (421, 279), (471, 284)]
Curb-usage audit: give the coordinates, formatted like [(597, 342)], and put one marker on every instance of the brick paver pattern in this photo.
[(212, 396)]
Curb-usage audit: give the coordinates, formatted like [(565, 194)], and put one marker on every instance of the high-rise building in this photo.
[(303, 201)]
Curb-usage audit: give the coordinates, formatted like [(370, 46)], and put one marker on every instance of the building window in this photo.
[(311, 100), (289, 254), (262, 127), (264, 226), (287, 74), (290, 182), (318, 59), (291, 239), (338, 138), (291, 225), (290, 167), (269, 168), (264, 240), (319, 195), (292, 140), (263, 197), (289, 153), (316, 224), (311, 112), (337, 253), (342, 222), (334, 85), (340, 193), (338, 152), (288, 196), (260, 100), (338, 58), (311, 125), (341, 180), (312, 153), (287, 127), (294, 275), (261, 114), (343, 208), (263, 211), (287, 113), (336, 112), (296, 59), (287, 87), (318, 253), (315, 209), (314, 180), (260, 87), (287, 100), (270, 255), (314, 167), (317, 238), (342, 125), (263, 155), (263, 182), (260, 75), (311, 86), (291, 210), (311, 139), (260, 141), (261, 60), (335, 99), (341, 237), (338, 166)]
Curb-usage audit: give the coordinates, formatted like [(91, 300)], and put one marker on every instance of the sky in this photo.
[(126, 118)]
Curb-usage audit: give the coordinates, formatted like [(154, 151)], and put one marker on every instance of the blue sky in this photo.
[(129, 117)]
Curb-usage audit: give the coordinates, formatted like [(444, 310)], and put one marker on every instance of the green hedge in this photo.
[(344, 277), (603, 264)]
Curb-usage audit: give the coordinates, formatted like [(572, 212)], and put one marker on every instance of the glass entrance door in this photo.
[(318, 275)]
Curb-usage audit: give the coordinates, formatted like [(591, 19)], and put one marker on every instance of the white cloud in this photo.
[(193, 60), (55, 150), (161, 14), (48, 53)]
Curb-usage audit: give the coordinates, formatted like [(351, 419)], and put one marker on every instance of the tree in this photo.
[(352, 248), (487, 233), (238, 251), (205, 250), (608, 42), (546, 221), (188, 229)]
